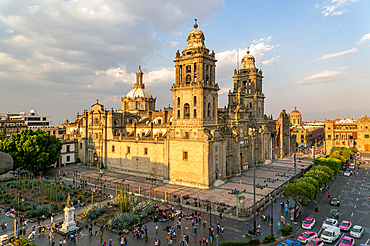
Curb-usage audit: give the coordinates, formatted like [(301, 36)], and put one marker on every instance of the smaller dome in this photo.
[(248, 61), (138, 93), (195, 38), (295, 112)]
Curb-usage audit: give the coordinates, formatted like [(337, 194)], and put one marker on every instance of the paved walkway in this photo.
[(268, 178)]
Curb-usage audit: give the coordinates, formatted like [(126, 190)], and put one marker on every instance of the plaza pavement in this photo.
[(279, 172)]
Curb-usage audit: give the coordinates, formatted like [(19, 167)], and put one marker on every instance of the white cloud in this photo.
[(357, 76), (270, 62), (364, 39), (326, 76), (328, 56), (331, 8), (317, 5), (173, 44)]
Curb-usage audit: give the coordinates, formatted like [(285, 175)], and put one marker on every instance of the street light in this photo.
[(253, 131), (272, 215)]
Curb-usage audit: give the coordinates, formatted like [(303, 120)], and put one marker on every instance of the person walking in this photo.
[(328, 195), (156, 228)]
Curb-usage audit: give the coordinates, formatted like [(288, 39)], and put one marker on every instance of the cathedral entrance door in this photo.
[(95, 159)]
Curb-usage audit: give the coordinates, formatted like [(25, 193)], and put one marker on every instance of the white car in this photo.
[(329, 222), (357, 231), (346, 173)]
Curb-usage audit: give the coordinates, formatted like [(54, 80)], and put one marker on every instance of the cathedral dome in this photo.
[(248, 61), (295, 112), (138, 93), (195, 38)]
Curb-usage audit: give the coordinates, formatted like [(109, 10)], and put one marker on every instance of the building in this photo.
[(194, 143), (8, 127), (348, 133), (31, 119), (295, 118)]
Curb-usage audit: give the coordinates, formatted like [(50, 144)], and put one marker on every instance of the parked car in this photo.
[(334, 201), (347, 173), (308, 223), (315, 242), (290, 242), (306, 236), (329, 222), (345, 225), (352, 166), (357, 231), (347, 241)]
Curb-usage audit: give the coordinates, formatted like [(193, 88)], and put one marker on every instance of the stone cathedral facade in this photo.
[(195, 142)]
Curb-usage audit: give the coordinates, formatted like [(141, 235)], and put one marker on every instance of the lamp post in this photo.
[(272, 215), (253, 131)]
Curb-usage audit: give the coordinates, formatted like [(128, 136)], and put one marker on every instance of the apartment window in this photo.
[(366, 135), (128, 150), (159, 121), (160, 134), (68, 149), (329, 136), (145, 151), (343, 137), (113, 148), (44, 119), (336, 136), (185, 155), (68, 158), (186, 135)]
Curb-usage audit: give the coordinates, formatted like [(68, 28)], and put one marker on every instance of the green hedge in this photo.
[(243, 243), (269, 239), (286, 230)]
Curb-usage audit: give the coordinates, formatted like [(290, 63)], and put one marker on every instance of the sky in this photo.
[(58, 57)]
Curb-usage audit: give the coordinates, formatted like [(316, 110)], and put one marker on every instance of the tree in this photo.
[(32, 150), (309, 180), (2, 136), (327, 170), (321, 176), (304, 192), (333, 163)]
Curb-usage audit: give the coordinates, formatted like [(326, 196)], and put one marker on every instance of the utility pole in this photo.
[(295, 184), (313, 160), (272, 215)]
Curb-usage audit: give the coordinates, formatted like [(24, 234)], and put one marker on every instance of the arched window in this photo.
[(178, 114), (195, 113), (195, 101), (209, 110), (214, 107), (138, 105), (186, 111), (250, 105), (178, 102), (188, 79)]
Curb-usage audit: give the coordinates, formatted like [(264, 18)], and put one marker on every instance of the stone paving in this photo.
[(279, 171)]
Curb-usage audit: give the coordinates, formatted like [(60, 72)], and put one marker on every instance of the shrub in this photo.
[(73, 187), (80, 197), (102, 219), (92, 211), (63, 205), (74, 201), (88, 199), (286, 230), (8, 184), (269, 239), (254, 241)]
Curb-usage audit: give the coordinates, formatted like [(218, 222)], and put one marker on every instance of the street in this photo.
[(353, 193)]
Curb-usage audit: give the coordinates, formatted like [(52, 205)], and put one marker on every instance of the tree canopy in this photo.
[(321, 176), (2, 136), (32, 150), (305, 191)]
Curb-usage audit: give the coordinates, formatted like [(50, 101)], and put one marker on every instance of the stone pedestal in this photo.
[(69, 223)]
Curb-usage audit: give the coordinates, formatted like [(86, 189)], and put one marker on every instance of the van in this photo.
[(330, 234)]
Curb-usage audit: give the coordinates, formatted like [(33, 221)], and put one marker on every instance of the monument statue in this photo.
[(69, 203)]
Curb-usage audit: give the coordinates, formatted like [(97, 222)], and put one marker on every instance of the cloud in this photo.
[(317, 5), (173, 44), (328, 56), (269, 62), (364, 39), (331, 8), (224, 90), (325, 76), (357, 76)]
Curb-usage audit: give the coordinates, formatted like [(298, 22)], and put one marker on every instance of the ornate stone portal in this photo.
[(69, 223)]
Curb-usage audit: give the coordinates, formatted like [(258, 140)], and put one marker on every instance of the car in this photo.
[(330, 234), (357, 231), (329, 222), (346, 173), (345, 225), (352, 166), (306, 236), (315, 242), (308, 223), (290, 242), (347, 241), (334, 213), (334, 201)]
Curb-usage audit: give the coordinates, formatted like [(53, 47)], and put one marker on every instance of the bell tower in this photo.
[(195, 93)]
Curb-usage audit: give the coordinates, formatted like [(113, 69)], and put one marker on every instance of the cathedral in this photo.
[(194, 142)]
